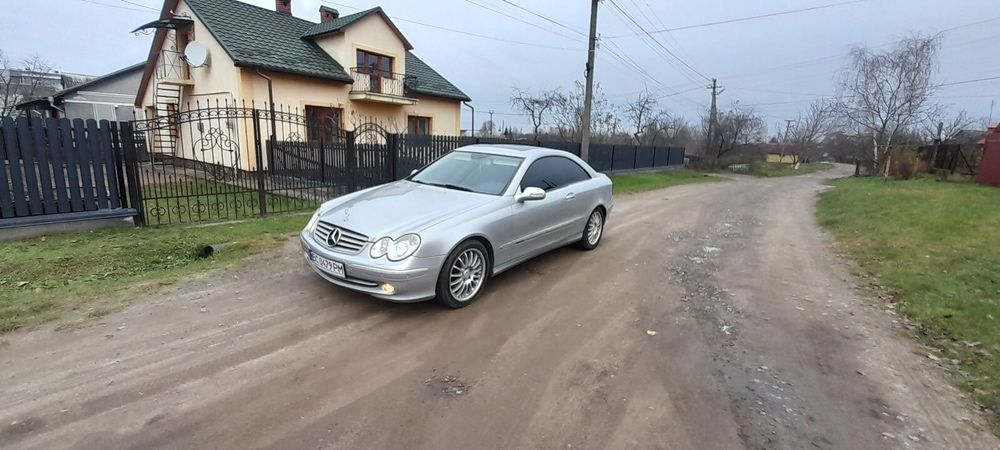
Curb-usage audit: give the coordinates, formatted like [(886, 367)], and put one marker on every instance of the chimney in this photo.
[(283, 6), (327, 14)]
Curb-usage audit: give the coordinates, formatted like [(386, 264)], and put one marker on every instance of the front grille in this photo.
[(350, 241)]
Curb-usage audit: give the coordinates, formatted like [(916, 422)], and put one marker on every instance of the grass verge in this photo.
[(934, 246), (786, 170), (647, 181), (48, 278)]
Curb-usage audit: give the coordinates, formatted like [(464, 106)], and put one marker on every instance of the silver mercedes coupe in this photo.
[(442, 232)]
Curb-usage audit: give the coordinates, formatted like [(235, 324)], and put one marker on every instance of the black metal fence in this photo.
[(223, 161), (55, 170)]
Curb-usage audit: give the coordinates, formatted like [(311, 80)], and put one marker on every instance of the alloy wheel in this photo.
[(466, 274)]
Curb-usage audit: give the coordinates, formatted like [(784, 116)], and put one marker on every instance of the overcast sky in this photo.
[(776, 64)]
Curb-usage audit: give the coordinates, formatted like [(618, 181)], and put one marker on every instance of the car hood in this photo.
[(401, 207)]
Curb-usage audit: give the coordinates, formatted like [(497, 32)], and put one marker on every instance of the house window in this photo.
[(374, 64), (418, 125), (323, 124)]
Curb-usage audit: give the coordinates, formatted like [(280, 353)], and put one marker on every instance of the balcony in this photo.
[(381, 87), (171, 68)]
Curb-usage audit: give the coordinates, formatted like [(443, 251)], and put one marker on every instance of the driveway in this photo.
[(712, 316)]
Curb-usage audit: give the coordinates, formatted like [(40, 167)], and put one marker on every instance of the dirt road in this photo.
[(713, 316)]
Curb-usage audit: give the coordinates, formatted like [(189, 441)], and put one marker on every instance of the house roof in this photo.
[(261, 38), (429, 82), (341, 23), (83, 86)]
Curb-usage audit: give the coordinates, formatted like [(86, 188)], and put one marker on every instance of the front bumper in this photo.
[(414, 279)]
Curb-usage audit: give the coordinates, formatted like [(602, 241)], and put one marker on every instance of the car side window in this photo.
[(553, 172), (542, 173), (572, 172)]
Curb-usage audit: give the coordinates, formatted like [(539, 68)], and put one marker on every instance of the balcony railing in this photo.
[(171, 66), (380, 86)]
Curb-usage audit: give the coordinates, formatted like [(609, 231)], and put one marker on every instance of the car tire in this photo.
[(464, 275), (591, 239)]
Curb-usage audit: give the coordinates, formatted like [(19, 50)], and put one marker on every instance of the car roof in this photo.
[(521, 151)]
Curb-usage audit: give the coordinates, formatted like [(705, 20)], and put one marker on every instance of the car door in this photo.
[(542, 224), (574, 189)]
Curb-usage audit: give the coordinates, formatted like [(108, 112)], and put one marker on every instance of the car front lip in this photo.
[(415, 279)]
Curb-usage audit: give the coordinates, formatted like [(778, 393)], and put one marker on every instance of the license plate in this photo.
[(329, 266)]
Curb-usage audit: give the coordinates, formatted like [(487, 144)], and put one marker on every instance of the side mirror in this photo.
[(414, 172), (530, 194)]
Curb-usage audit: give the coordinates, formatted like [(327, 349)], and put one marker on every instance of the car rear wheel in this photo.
[(594, 231), (464, 275)]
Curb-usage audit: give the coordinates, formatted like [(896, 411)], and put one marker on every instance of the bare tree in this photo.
[(642, 117), (568, 115), (736, 127), (810, 129), (488, 129), (882, 94), (537, 107), (15, 88), (937, 126)]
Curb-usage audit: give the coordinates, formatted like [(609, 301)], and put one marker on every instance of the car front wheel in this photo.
[(464, 275), (594, 230)]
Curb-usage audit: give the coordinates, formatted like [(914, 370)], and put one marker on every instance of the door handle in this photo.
[(570, 196)]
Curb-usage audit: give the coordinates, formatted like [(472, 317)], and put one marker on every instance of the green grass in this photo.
[(936, 247), (87, 275), (785, 170), (647, 181)]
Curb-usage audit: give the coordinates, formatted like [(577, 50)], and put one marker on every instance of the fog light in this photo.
[(388, 289)]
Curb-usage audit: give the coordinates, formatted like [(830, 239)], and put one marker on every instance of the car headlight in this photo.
[(380, 248), (395, 249), (313, 221)]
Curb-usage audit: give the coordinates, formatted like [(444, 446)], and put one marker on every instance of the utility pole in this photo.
[(713, 117), (589, 96), (491, 123), (788, 128)]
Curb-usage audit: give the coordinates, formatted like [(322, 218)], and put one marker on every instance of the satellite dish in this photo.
[(196, 54)]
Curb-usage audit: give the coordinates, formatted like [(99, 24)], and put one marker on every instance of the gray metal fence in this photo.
[(60, 170)]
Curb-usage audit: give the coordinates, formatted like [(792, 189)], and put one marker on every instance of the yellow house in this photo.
[(341, 71), (778, 158)]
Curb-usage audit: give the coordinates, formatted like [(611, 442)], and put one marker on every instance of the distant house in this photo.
[(779, 158), (110, 97), (27, 85), (358, 65), (989, 167)]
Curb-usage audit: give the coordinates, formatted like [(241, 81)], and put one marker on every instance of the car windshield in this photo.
[(472, 172)]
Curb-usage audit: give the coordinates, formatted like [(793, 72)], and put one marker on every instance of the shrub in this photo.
[(906, 165)]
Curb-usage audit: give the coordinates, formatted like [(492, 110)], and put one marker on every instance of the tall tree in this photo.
[(641, 116), (568, 114), (15, 88), (810, 129), (536, 106), (736, 127), (884, 93)]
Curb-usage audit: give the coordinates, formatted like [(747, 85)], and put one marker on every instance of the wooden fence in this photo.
[(57, 170)]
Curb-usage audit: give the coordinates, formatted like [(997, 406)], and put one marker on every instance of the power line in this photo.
[(656, 41), (744, 19), (140, 5), (977, 80), (114, 6), (769, 91), (522, 20), (467, 33), (617, 54), (545, 18)]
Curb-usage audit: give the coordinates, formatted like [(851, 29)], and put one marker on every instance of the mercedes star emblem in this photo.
[(334, 238)]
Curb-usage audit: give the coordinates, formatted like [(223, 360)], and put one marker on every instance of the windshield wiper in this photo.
[(452, 186)]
